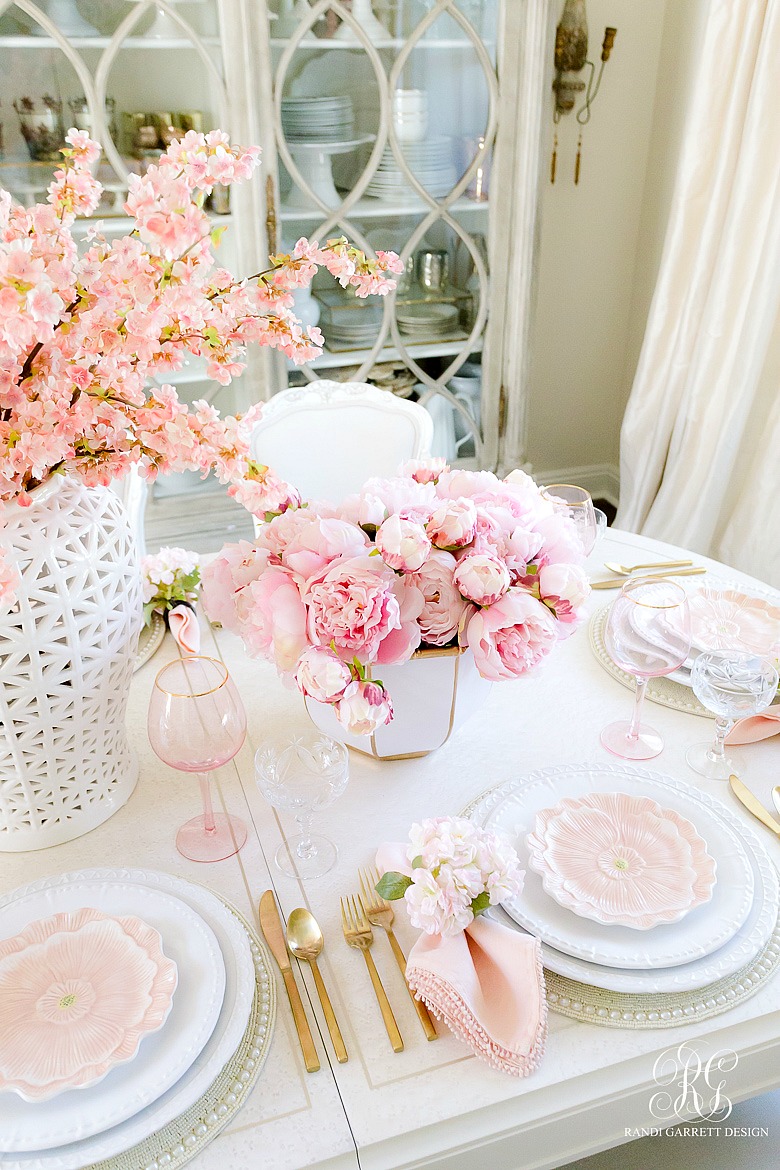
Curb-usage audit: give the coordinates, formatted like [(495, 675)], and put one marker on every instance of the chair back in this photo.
[(328, 438)]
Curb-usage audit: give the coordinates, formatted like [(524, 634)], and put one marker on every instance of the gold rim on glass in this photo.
[(629, 585), (191, 694), (549, 494)]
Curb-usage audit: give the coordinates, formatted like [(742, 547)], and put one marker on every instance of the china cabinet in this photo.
[(405, 125)]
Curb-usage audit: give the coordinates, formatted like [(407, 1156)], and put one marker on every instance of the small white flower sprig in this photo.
[(457, 871), (170, 577)]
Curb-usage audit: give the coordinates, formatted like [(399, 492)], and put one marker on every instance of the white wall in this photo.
[(588, 248)]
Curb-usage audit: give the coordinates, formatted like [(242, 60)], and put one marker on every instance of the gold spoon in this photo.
[(305, 941)]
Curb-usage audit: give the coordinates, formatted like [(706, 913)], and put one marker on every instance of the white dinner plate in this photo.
[(219, 1048), (746, 944), (704, 930), (163, 1057)]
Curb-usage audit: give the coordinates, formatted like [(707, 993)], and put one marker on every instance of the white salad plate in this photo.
[(162, 1057), (220, 1046)]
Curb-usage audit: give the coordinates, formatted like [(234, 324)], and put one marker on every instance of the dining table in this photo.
[(434, 1104)]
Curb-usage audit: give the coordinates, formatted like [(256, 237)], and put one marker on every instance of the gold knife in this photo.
[(619, 582), (274, 936), (753, 804)]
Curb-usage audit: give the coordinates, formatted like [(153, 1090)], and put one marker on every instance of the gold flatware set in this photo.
[(304, 940), (659, 569)]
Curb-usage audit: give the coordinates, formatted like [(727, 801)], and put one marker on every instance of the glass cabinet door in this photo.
[(385, 117)]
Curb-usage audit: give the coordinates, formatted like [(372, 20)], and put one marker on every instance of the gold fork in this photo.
[(358, 933), (380, 913)]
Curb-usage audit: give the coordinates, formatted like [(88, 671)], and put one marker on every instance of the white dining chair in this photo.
[(328, 438)]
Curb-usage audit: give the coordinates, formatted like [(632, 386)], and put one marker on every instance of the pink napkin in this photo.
[(486, 983), (183, 624), (755, 727)]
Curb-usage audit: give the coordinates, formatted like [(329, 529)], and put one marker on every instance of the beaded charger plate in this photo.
[(184, 1137), (150, 639), (615, 1009), (188, 1134), (665, 691)]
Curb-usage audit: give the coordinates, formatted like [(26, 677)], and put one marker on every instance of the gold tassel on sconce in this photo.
[(571, 50)]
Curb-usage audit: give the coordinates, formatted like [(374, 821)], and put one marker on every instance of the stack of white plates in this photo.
[(725, 617), (712, 941), (317, 119), (174, 1067), (354, 325), (429, 321), (429, 161)]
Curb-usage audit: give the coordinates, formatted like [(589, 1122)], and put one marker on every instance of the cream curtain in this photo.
[(700, 444)]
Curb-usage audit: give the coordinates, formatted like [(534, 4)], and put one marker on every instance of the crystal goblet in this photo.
[(576, 503), (301, 775), (648, 633), (732, 684), (197, 723)]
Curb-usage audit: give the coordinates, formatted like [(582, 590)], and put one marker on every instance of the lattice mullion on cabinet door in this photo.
[(364, 179), (516, 173), (69, 52), (116, 43), (413, 42)]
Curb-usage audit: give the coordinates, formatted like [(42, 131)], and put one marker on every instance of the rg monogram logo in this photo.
[(691, 1086)]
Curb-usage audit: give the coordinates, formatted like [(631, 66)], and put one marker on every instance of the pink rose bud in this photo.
[(453, 524), (482, 578), (402, 544), (322, 675), (425, 470), (563, 588), (364, 707)]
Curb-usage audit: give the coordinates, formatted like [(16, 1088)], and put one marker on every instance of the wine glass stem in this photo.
[(305, 847), (718, 751), (641, 687), (208, 809)]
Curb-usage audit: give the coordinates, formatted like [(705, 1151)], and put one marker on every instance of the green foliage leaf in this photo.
[(417, 863), (216, 235), (148, 611), (480, 904), (393, 886)]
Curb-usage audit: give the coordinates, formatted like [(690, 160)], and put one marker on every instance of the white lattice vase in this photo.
[(67, 649)]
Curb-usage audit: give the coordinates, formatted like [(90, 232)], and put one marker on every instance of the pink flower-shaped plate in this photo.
[(726, 619), (78, 993), (621, 860)]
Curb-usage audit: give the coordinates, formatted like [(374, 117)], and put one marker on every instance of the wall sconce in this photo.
[(571, 57)]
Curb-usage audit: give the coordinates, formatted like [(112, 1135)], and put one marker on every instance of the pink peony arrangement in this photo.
[(432, 558), (81, 335), (457, 871)]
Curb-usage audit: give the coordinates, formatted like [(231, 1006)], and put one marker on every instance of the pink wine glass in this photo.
[(648, 633), (196, 724)]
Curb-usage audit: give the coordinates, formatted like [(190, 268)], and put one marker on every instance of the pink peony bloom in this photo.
[(443, 606), (320, 542), (321, 675), (352, 605), (224, 578), (564, 589), (364, 707), (403, 544), (275, 619), (481, 578), (400, 644), (511, 636), (453, 524), (560, 542)]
